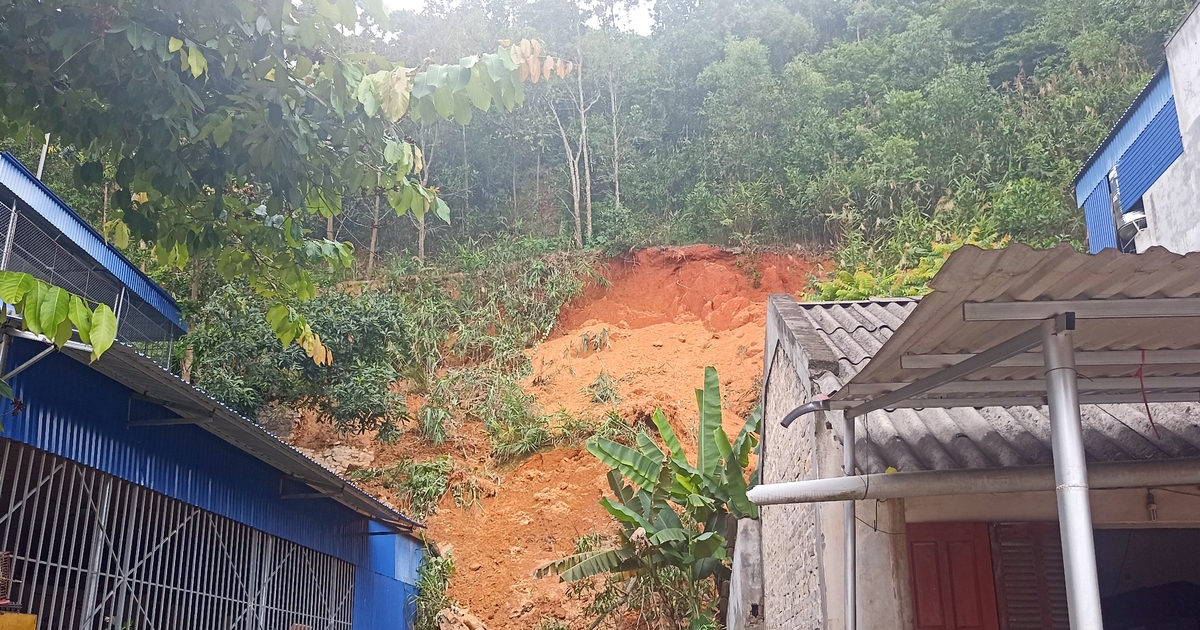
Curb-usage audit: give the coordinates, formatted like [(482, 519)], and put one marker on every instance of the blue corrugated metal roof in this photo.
[(1148, 103), (43, 201)]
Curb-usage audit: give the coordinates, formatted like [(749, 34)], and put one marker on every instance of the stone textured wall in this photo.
[(791, 534)]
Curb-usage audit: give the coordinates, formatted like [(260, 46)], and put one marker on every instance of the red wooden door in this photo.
[(952, 578)]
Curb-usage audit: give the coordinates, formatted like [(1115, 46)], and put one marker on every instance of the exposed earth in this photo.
[(661, 317)]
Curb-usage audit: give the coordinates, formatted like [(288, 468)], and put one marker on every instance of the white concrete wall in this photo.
[(1173, 202)]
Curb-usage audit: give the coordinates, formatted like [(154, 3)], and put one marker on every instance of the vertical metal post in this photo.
[(9, 238), (850, 543), (1070, 476), (98, 543), (42, 161)]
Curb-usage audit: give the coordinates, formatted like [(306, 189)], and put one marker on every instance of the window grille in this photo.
[(91, 551)]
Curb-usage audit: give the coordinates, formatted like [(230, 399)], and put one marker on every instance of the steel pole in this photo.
[(850, 543), (1071, 482)]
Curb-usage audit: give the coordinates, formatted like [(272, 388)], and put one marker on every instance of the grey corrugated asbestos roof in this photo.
[(960, 437)]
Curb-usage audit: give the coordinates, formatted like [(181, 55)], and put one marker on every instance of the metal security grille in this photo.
[(41, 253), (94, 552)]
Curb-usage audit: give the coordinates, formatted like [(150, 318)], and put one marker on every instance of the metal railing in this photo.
[(94, 551)]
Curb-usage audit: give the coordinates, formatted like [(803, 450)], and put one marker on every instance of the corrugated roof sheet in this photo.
[(1145, 106), (964, 437), (1020, 274), (140, 373), (15, 177)]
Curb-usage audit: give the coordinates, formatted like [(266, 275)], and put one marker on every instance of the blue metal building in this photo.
[(131, 499), (1139, 149)]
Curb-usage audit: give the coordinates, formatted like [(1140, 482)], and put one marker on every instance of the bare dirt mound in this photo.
[(664, 315), (661, 317)]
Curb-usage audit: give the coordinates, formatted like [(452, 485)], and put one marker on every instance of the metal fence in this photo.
[(94, 552), (42, 253)]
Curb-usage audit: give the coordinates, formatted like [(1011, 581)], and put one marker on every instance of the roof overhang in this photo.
[(150, 382), (973, 342)]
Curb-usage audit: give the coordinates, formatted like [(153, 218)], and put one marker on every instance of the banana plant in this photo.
[(672, 512)]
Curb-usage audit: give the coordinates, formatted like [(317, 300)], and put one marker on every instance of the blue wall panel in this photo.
[(1097, 210), (78, 413), (1154, 150), (1152, 99), (394, 602), (395, 556)]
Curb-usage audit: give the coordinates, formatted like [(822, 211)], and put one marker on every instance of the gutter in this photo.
[(1101, 476)]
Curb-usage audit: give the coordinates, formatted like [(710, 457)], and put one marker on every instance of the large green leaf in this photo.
[(673, 534), (636, 467), (706, 545), (588, 564), (667, 434), (53, 303), (104, 330), (747, 438), (626, 514), (708, 457), (14, 285)]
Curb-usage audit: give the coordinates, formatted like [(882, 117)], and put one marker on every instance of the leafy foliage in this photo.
[(433, 578), (673, 514), (245, 119)]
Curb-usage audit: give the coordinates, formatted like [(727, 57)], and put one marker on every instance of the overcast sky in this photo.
[(638, 20)]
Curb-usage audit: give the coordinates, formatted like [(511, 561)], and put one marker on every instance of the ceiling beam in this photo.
[(1115, 308), (1028, 400), (1035, 385), (1035, 359), (1001, 351)]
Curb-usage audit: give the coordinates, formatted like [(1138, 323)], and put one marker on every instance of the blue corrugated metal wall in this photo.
[(1097, 210), (395, 602), (1141, 147), (18, 179), (78, 413), (1145, 107), (394, 555), (181, 461), (1149, 156)]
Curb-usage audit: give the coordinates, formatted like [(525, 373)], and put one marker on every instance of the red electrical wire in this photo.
[(1145, 400)]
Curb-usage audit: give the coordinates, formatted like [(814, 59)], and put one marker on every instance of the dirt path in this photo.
[(664, 315)]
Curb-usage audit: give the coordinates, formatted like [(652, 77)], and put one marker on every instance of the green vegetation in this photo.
[(674, 517), (422, 485), (433, 578)]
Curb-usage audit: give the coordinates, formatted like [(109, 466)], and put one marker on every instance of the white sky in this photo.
[(638, 20)]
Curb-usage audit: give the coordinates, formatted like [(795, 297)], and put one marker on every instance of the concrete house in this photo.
[(958, 557), (131, 499), (1141, 187)]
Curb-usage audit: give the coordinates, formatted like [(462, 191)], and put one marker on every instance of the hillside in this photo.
[(667, 313)]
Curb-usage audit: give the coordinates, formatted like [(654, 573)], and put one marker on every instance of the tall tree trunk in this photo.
[(583, 144), (189, 353), (374, 239), (466, 183), (329, 227), (424, 182), (573, 171), (616, 151), (421, 238)]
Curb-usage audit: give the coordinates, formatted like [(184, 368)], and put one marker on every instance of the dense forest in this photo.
[(872, 126), (881, 132), (408, 215)]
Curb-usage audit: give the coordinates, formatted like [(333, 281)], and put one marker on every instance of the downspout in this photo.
[(849, 535)]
